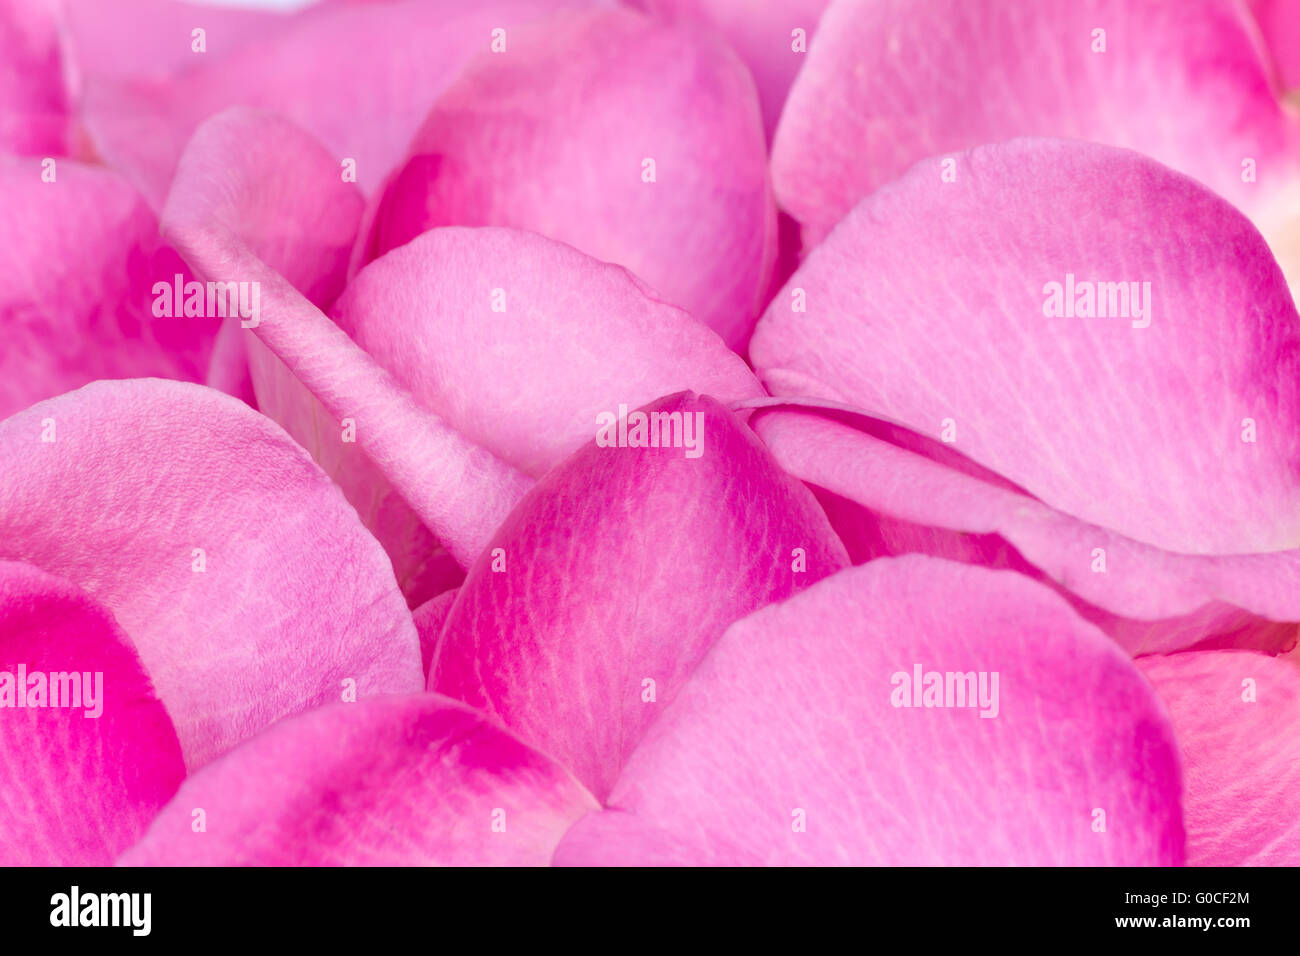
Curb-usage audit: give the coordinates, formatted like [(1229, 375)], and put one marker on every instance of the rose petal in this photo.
[(1183, 83), (248, 586), (397, 781), (1235, 714), (34, 108), (77, 303), (1146, 598), (1279, 22), (520, 341), (429, 618), (554, 109), (78, 784), (788, 722), (557, 634), (1094, 416)]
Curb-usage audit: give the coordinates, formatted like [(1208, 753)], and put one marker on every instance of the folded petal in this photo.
[(520, 341), (34, 107), (399, 55), (891, 82), (798, 739), (1178, 376), (772, 38), (1147, 599), (87, 752), (459, 491), (78, 301), (398, 781), (246, 582), (636, 142), (577, 640), (1279, 22), (1235, 713)]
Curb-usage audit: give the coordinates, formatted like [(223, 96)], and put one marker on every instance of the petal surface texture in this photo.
[(396, 781), (786, 745), (612, 577), (246, 582)]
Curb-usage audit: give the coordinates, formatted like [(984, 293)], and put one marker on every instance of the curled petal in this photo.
[(800, 738)]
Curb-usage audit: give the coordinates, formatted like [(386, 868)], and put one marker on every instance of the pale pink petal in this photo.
[(764, 34), (1146, 598), (397, 781), (79, 781), (786, 745), (927, 306), (520, 341), (246, 582), (577, 639), (34, 107), (399, 56), (1235, 714), (77, 304), (891, 82), (556, 136), (460, 491)]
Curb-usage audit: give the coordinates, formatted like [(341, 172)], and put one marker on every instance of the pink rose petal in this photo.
[(34, 107), (78, 784), (395, 781), (244, 579), (545, 137), (785, 746), (577, 640)]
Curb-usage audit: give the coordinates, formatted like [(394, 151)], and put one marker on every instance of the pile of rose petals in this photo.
[(385, 566)]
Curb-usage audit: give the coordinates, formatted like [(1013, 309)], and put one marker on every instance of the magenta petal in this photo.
[(892, 82), (1146, 598), (788, 745), (1099, 417), (79, 781), (396, 781), (576, 641), (83, 255), (1279, 22), (1235, 714), (554, 109), (520, 341), (248, 586), (34, 108)]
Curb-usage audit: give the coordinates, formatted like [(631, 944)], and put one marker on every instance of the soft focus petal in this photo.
[(520, 341), (764, 35), (396, 58), (34, 108), (244, 579), (78, 784), (460, 491), (398, 781), (82, 256), (928, 305), (1235, 714), (891, 82), (1279, 22), (577, 640), (557, 135), (790, 720), (1146, 598)]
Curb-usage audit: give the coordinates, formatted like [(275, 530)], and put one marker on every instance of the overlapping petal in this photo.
[(542, 137), (792, 743), (609, 581), (411, 780), (35, 112), (88, 754), (248, 587)]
